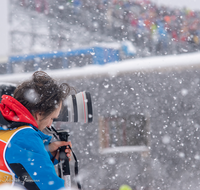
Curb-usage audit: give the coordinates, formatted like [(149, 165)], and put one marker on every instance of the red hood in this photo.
[(13, 110)]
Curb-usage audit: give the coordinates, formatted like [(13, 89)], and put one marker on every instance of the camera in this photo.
[(76, 107)]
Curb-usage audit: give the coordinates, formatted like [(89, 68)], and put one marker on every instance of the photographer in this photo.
[(26, 154)]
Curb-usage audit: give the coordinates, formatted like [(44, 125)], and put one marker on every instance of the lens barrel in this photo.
[(77, 108)]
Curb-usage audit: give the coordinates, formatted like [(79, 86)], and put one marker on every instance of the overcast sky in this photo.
[(192, 4)]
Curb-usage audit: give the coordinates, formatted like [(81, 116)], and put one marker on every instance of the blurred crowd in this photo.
[(153, 29)]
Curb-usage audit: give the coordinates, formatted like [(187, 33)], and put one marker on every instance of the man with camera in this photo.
[(26, 154)]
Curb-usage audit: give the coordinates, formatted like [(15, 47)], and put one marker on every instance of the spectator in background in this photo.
[(142, 22)]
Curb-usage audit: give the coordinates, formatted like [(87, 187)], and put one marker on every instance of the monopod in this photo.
[(63, 167)]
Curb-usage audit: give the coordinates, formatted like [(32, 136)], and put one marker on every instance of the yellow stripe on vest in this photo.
[(5, 178), (6, 135)]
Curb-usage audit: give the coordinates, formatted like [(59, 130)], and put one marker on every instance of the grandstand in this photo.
[(46, 26), (71, 24)]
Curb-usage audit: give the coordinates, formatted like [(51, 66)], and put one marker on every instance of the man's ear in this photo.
[(37, 116)]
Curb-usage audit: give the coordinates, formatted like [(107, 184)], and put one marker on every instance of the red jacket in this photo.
[(12, 110)]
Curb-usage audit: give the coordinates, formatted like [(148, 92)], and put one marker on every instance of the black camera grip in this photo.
[(63, 156)]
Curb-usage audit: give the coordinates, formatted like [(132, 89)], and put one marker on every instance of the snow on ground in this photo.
[(112, 69)]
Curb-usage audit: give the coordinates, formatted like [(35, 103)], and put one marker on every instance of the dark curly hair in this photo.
[(41, 93)]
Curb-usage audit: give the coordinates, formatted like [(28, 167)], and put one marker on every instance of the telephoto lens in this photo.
[(77, 108)]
